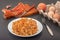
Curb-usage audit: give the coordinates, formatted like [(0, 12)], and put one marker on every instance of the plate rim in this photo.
[(29, 35)]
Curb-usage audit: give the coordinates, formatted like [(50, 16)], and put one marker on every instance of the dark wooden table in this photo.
[(44, 35)]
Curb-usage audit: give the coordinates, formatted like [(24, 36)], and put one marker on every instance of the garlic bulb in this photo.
[(56, 16), (50, 14), (52, 8)]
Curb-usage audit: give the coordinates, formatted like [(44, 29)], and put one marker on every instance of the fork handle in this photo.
[(49, 30)]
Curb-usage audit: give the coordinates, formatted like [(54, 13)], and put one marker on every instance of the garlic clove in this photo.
[(50, 14)]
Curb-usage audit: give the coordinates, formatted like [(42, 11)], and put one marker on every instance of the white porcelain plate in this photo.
[(39, 26)]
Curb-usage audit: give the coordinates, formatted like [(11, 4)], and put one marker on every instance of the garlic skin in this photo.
[(50, 14), (8, 6)]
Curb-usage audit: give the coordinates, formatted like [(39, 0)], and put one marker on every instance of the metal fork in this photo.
[(48, 28)]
